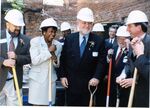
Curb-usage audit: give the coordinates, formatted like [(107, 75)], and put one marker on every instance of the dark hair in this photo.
[(112, 27), (44, 29), (144, 26)]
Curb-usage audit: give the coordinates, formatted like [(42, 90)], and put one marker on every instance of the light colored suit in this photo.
[(38, 75)]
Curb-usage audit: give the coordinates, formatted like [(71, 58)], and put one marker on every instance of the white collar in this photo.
[(142, 37), (81, 38)]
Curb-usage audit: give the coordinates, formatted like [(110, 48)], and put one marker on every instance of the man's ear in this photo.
[(7, 25), (139, 27)]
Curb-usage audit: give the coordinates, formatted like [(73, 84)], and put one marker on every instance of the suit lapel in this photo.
[(19, 44), (115, 43), (76, 47), (146, 45)]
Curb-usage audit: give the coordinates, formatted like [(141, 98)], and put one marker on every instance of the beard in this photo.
[(16, 33), (84, 31)]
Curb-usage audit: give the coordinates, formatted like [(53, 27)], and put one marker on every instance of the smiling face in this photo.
[(122, 41), (112, 32), (49, 34), (84, 27)]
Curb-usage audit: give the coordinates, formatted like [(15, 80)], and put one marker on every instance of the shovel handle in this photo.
[(17, 86), (132, 89), (91, 95)]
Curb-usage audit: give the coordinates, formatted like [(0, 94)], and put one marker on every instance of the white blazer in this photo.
[(40, 57)]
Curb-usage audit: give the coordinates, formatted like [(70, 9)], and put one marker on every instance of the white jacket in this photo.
[(40, 57)]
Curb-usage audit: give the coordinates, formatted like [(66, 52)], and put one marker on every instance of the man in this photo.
[(82, 60), (111, 41), (65, 28), (119, 58), (99, 30), (14, 52), (137, 23)]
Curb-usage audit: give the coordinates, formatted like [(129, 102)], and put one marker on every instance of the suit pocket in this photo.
[(35, 74)]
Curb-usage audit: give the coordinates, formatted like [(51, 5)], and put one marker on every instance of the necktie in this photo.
[(119, 56), (11, 45), (82, 46), (111, 41)]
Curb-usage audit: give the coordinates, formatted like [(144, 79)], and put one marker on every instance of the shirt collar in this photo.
[(142, 37), (8, 36), (121, 48), (81, 37), (86, 36)]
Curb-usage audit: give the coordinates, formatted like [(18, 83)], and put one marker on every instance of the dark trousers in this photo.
[(80, 99)]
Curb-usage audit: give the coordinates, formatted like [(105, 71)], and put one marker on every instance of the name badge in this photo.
[(3, 41), (125, 59), (95, 54)]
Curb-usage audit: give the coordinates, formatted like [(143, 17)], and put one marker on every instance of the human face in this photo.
[(134, 30), (66, 32), (84, 27), (121, 41), (112, 32), (99, 33), (49, 35), (12, 29)]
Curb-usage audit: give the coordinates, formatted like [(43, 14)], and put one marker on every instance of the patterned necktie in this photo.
[(119, 56), (82, 46), (11, 45)]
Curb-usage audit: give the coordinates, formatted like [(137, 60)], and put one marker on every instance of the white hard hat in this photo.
[(136, 16), (48, 22), (98, 27), (15, 17), (65, 26), (85, 14), (122, 32)]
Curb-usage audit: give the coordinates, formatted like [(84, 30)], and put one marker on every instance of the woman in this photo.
[(43, 50)]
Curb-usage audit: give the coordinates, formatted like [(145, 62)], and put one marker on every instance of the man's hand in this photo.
[(118, 79), (64, 82), (11, 55), (121, 77), (110, 52), (93, 82), (125, 83), (138, 46), (9, 62)]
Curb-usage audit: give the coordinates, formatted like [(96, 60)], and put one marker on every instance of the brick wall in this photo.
[(104, 11)]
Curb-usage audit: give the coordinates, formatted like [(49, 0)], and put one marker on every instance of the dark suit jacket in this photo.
[(23, 57), (142, 63), (108, 45), (80, 70), (116, 71)]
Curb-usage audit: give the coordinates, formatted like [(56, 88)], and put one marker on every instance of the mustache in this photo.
[(15, 33)]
